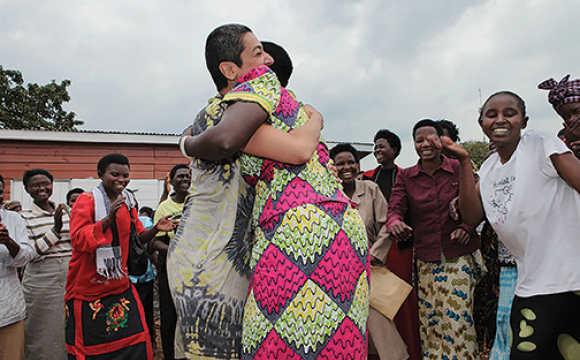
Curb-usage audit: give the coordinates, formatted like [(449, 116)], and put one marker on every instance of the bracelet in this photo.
[(182, 145)]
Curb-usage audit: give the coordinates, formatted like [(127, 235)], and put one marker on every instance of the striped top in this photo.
[(44, 240)]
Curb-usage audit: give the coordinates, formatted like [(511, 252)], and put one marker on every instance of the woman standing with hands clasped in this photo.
[(99, 296), (529, 190)]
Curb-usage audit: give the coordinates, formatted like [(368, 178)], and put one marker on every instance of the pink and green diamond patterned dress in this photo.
[(309, 285)]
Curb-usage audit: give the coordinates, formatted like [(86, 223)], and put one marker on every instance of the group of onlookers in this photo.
[(66, 252)]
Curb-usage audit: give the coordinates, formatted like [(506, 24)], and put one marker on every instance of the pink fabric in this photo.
[(276, 280), (334, 271), (343, 341)]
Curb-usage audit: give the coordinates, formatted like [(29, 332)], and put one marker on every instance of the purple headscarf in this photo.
[(562, 92)]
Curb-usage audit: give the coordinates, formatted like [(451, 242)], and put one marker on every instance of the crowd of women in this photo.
[(273, 256)]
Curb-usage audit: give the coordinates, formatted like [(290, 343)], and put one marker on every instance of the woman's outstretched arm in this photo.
[(241, 127)]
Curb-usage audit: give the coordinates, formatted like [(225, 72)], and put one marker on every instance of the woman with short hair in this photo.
[(384, 340), (103, 313), (44, 278)]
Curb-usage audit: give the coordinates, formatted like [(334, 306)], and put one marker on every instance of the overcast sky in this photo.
[(138, 65)]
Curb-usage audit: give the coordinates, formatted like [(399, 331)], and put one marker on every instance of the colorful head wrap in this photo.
[(562, 92)]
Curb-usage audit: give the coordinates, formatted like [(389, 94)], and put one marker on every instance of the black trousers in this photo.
[(168, 316), (546, 327), (145, 291)]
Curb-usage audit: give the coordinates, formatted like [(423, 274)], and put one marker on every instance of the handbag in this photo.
[(137, 261), (388, 291)]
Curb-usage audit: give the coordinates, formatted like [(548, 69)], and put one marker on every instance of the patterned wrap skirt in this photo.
[(446, 306), (113, 327), (309, 290)]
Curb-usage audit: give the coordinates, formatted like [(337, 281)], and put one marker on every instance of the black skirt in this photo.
[(109, 328)]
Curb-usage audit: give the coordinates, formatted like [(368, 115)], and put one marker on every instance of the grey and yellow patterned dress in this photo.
[(208, 260)]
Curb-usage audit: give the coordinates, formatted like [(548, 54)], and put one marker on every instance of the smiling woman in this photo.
[(384, 339), (298, 244), (45, 277), (99, 296), (448, 259), (529, 191)]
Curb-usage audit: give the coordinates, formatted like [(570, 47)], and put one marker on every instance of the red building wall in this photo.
[(68, 160)]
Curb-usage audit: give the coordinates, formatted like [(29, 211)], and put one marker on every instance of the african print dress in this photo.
[(208, 259), (309, 286)]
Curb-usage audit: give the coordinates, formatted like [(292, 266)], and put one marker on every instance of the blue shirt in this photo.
[(150, 273)]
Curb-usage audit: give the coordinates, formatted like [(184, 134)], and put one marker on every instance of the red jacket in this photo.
[(83, 282)]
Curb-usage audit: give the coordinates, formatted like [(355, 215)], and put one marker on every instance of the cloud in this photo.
[(139, 66)]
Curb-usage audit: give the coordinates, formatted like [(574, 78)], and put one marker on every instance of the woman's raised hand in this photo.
[(115, 206), (572, 135), (166, 224), (58, 218), (112, 215), (449, 148)]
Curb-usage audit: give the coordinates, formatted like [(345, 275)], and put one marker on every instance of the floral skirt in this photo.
[(446, 307), (113, 327)]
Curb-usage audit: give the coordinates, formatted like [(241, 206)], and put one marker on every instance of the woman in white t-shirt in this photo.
[(530, 192)]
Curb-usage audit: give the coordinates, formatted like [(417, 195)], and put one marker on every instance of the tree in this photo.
[(34, 107), (476, 150)]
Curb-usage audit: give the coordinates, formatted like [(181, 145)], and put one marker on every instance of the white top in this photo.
[(536, 215), (13, 308)]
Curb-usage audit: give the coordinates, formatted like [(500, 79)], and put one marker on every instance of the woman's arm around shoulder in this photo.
[(238, 123), (294, 148)]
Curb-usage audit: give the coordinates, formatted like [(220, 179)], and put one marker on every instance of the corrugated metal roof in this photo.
[(116, 136), (123, 132)]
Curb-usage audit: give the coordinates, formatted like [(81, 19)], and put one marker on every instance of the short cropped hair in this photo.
[(113, 158), (428, 122), (175, 168), (28, 174), (342, 148), (71, 192), (451, 128), (147, 210), (225, 43), (282, 65), (392, 138), (519, 100)]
